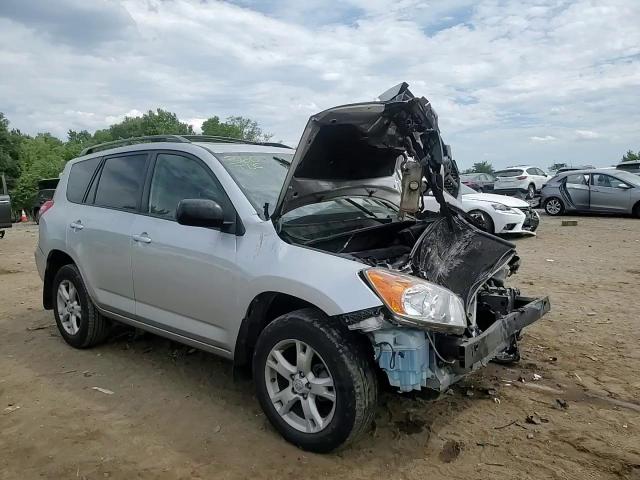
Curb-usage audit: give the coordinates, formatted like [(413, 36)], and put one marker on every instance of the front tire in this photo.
[(483, 221), (315, 380), (78, 320), (553, 206)]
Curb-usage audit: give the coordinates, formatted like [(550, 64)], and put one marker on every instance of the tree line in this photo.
[(26, 159)]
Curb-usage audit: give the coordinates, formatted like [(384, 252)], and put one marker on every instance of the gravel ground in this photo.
[(177, 413)]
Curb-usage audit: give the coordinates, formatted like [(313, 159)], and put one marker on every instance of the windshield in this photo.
[(332, 217), (509, 173), (470, 176), (628, 177), (259, 175)]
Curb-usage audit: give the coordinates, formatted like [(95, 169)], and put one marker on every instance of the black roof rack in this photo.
[(218, 139), (133, 141), (174, 138)]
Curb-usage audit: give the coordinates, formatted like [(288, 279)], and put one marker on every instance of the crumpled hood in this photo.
[(492, 197), (354, 150)]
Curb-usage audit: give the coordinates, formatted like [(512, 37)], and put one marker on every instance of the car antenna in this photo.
[(265, 209)]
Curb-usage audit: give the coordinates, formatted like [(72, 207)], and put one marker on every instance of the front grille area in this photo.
[(531, 221)]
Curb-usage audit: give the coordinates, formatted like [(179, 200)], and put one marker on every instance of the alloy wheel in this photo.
[(553, 206), (300, 386), (69, 308)]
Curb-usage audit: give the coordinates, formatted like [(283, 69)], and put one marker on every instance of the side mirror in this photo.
[(623, 186), (199, 212)]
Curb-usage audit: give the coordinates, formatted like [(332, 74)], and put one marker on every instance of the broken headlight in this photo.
[(418, 303)]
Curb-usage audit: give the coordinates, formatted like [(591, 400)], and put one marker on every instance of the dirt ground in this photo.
[(177, 413)]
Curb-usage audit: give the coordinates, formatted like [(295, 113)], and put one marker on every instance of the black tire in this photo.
[(636, 210), (549, 206), (349, 361), (531, 191), (93, 328), (484, 221)]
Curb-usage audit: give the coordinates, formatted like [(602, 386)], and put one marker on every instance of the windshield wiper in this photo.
[(361, 208), (282, 161)]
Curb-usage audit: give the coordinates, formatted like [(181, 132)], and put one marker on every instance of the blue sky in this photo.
[(537, 81)]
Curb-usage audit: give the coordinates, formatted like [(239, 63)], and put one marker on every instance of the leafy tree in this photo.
[(26, 160), (151, 123), (9, 151), (235, 127), (629, 156), (480, 167), (41, 157)]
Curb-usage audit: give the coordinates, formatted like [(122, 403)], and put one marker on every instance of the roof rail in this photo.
[(220, 139), (133, 141), (174, 138)]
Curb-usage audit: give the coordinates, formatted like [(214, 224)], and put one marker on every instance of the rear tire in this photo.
[(636, 210), (553, 206), (78, 320), (341, 365)]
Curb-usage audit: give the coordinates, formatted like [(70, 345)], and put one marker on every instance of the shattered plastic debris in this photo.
[(102, 390), (560, 403), (550, 260), (11, 408), (537, 377)]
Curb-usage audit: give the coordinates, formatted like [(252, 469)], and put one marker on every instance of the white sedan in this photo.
[(497, 214)]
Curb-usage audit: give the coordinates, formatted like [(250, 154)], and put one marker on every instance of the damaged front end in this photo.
[(447, 308)]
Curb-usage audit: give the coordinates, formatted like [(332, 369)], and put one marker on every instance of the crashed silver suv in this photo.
[(316, 269)]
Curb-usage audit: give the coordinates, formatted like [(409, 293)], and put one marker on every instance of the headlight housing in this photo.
[(418, 303), (501, 208)]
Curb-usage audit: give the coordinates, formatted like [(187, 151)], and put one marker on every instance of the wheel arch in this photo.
[(263, 309), (55, 260)]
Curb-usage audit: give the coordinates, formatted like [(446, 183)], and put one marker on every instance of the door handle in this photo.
[(142, 238), (77, 225)]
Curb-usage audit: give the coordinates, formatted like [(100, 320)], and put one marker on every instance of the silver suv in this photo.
[(314, 268)]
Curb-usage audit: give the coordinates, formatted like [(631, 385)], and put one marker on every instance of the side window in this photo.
[(79, 178), (601, 180), (121, 181), (175, 178), (540, 172), (532, 171), (578, 179)]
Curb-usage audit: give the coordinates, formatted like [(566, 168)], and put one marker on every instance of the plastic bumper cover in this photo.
[(477, 351)]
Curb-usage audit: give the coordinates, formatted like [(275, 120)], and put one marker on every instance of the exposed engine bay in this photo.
[(448, 310)]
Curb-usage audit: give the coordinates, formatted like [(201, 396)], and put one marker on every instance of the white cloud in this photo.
[(587, 135), (545, 138), (498, 72)]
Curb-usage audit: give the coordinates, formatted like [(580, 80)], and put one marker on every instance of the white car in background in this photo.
[(521, 179), (497, 214)]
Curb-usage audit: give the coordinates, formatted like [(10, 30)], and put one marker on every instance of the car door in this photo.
[(544, 178), (576, 191), (609, 194), (100, 221), (487, 182), (185, 277)]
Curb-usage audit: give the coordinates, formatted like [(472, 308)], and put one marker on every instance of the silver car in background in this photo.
[(592, 190)]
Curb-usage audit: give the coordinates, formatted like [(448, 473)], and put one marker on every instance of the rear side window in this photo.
[(577, 179), (532, 171), (121, 181), (79, 178)]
